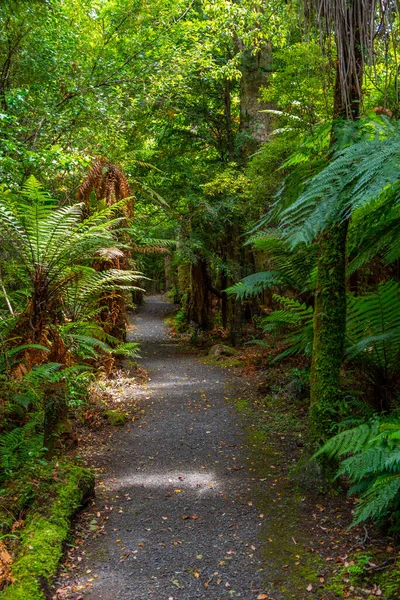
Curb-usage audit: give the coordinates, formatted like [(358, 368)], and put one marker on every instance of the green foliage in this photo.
[(300, 86), (294, 322), (55, 247), (252, 285), (20, 446), (373, 334), (358, 176), (370, 457), (292, 269)]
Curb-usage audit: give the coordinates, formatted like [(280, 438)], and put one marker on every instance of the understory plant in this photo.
[(53, 302), (369, 456)]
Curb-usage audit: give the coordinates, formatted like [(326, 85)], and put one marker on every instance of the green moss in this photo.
[(389, 582), (356, 576), (114, 417), (241, 405), (291, 567), (44, 535), (224, 361), (329, 333), (28, 590)]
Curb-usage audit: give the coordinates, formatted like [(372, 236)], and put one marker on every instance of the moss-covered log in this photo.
[(43, 538)]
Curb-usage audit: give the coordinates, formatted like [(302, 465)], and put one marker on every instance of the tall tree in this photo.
[(355, 25)]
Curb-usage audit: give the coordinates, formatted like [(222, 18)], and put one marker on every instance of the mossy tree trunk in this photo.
[(330, 296), (329, 332)]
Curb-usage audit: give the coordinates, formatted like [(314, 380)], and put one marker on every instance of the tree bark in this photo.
[(255, 68), (200, 302), (168, 272), (329, 332), (330, 296)]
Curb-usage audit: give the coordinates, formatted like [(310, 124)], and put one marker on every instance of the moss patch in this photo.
[(44, 535), (225, 361), (358, 576), (291, 566), (114, 417)]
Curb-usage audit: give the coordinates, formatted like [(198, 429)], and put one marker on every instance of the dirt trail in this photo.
[(184, 522)]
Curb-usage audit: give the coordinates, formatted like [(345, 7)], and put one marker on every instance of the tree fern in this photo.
[(370, 458), (55, 246), (355, 178)]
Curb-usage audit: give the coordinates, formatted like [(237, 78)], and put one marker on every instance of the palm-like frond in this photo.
[(356, 177), (56, 246), (370, 458), (253, 284), (294, 322), (373, 326)]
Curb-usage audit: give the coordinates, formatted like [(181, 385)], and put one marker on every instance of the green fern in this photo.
[(293, 269), (356, 178), (20, 446), (253, 284), (293, 323), (370, 458), (373, 340)]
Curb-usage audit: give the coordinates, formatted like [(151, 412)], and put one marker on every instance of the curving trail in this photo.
[(183, 524)]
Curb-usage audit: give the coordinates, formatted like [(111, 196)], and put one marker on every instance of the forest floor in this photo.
[(195, 499)]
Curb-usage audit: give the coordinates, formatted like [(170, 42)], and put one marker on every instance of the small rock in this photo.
[(219, 350)]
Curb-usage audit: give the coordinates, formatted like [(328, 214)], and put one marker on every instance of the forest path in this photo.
[(179, 488)]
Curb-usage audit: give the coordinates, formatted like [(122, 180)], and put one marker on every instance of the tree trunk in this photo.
[(330, 296), (168, 272), (200, 301), (255, 68), (235, 305), (329, 332), (224, 300)]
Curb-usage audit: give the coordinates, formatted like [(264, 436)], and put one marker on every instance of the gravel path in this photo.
[(178, 488)]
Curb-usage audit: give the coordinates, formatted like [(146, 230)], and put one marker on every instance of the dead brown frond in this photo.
[(5, 566), (108, 182)]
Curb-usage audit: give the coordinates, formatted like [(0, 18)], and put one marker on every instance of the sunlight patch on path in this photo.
[(189, 480)]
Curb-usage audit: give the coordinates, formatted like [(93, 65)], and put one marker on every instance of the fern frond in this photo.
[(349, 441), (356, 177), (252, 285)]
